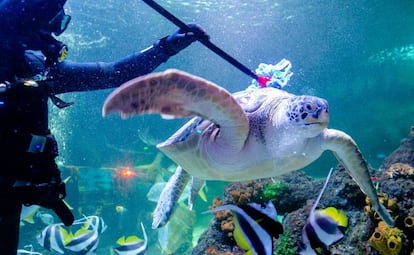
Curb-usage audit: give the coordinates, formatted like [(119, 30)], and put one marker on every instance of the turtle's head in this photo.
[(312, 112)]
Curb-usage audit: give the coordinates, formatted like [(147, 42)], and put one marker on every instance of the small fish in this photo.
[(83, 242), (51, 238), (28, 213), (132, 245), (25, 251), (45, 218), (323, 227), (120, 209), (123, 217), (254, 226)]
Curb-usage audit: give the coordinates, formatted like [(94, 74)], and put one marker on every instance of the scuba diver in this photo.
[(32, 70)]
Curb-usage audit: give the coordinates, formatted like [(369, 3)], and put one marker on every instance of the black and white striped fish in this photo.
[(51, 238), (83, 242), (255, 226), (323, 227), (56, 237), (132, 245)]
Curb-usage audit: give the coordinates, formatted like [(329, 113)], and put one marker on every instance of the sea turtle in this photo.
[(252, 134)]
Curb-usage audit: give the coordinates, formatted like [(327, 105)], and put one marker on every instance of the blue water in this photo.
[(357, 54)]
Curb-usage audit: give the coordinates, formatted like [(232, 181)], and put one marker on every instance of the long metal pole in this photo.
[(205, 41)]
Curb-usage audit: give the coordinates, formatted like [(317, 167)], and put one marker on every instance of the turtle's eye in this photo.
[(309, 107), (304, 115)]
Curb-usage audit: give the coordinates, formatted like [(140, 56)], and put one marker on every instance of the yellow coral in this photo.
[(386, 240), (409, 222)]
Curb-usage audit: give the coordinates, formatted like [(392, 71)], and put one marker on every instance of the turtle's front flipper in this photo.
[(169, 197), (348, 154), (174, 93)]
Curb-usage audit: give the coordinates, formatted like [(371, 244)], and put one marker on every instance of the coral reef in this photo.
[(218, 238), (293, 195), (243, 192), (399, 169), (386, 240), (224, 217), (213, 250)]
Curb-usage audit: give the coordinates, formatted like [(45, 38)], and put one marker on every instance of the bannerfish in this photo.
[(28, 212), (132, 245), (51, 238), (57, 238), (323, 227), (84, 241), (254, 226)]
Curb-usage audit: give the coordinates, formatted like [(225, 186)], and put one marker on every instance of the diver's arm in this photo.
[(73, 76)]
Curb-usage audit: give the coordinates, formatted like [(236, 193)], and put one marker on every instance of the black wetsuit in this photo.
[(27, 149)]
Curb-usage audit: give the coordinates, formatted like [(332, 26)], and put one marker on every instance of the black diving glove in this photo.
[(49, 195), (181, 39)]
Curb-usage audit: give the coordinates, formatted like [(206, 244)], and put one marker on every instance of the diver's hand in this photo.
[(182, 39)]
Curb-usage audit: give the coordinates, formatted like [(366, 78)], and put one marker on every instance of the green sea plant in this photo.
[(273, 191), (285, 246)]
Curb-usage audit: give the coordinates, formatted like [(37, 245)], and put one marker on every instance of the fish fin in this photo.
[(66, 179), (67, 236), (131, 239), (30, 218), (81, 231), (202, 193), (222, 208), (144, 233), (121, 240), (322, 190)]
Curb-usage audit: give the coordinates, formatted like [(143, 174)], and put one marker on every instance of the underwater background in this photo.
[(359, 55)]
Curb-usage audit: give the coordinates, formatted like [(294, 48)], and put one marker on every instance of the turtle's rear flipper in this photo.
[(169, 197)]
